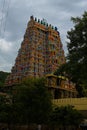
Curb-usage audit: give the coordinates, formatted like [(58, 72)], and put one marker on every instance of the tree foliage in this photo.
[(5, 109), (33, 101), (75, 68), (65, 116), (30, 102), (77, 48), (3, 76)]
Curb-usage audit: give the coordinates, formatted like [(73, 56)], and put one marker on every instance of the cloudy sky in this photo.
[(15, 14)]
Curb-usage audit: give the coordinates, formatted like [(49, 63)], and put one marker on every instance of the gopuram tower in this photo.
[(41, 52)]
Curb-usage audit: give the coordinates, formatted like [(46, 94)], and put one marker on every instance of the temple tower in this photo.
[(41, 52)]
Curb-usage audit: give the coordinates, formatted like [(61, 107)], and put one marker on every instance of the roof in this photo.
[(52, 75)]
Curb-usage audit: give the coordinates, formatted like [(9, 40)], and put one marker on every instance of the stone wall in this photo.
[(78, 103)]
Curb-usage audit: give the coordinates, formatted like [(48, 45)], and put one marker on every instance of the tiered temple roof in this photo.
[(41, 52)]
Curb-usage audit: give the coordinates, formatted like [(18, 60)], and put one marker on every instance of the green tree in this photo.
[(65, 116), (75, 68), (32, 101), (3, 76), (77, 47), (6, 110)]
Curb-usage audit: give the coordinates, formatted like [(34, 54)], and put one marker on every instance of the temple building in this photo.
[(60, 87), (41, 52)]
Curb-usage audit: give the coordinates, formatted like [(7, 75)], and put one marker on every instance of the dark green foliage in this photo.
[(32, 101), (75, 68), (3, 76), (65, 116), (29, 102), (77, 48), (5, 109)]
